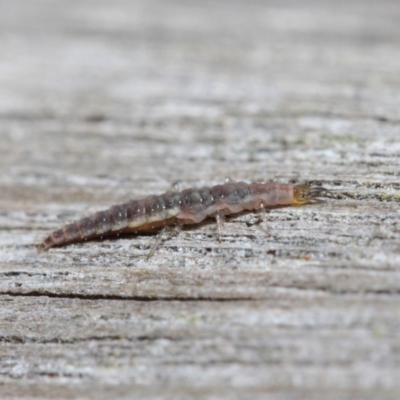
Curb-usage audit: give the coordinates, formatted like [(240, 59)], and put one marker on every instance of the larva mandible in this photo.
[(189, 206)]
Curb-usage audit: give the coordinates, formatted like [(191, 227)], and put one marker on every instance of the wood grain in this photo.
[(102, 102)]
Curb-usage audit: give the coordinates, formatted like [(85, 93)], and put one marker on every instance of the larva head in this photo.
[(303, 194)]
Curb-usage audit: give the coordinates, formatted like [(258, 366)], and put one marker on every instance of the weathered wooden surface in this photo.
[(104, 101)]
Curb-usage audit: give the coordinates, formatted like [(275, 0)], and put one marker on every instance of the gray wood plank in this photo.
[(103, 102)]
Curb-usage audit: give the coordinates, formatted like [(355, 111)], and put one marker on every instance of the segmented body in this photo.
[(189, 206)]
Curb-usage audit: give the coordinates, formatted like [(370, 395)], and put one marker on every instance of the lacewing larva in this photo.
[(189, 206)]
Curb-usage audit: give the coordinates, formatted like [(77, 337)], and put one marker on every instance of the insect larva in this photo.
[(189, 206)]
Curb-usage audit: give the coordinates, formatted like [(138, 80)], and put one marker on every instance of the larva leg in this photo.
[(220, 221), (260, 216), (156, 243), (260, 219), (169, 232)]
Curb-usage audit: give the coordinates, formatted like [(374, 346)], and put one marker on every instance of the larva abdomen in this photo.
[(101, 223)]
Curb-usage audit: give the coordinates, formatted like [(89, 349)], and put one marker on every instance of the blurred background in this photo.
[(94, 93)]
